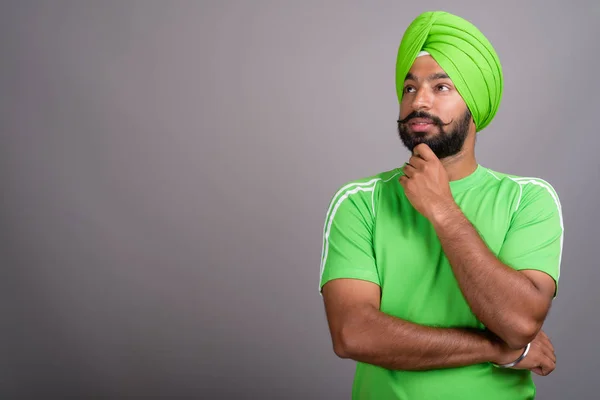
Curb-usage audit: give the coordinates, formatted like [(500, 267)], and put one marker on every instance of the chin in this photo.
[(424, 137), (431, 133)]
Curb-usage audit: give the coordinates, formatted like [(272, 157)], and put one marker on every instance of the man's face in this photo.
[(432, 111)]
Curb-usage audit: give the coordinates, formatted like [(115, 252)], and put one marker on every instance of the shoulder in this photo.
[(366, 185), (532, 189), (360, 194)]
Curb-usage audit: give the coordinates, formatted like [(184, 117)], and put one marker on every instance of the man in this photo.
[(437, 276)]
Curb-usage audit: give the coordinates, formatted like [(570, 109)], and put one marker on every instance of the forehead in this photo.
[(424, 66)]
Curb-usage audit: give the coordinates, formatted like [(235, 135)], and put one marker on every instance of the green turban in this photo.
[(463, 52)]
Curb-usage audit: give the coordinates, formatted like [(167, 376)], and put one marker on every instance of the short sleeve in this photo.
[(535, 237), (348, 236)]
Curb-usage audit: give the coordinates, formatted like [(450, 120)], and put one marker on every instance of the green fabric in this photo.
[(373, 233), (463, 52)]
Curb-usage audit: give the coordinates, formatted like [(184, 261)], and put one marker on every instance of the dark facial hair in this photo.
[(444, 144)]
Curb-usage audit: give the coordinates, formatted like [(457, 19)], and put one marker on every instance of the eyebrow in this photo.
[(432, 77)]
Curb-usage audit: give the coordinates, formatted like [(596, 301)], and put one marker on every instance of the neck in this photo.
[(459, 166), (463, 163)]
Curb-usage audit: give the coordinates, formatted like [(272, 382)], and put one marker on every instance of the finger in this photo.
[(542, 355), (547, 370), (543, 341), (417, 162), (547, 366), (549, 352), (537, 370), (424, 151), (409, 170)]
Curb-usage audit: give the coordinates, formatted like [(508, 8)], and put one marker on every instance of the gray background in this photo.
[(166, 168)]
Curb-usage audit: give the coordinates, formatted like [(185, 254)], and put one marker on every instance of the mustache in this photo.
[(423, 114)]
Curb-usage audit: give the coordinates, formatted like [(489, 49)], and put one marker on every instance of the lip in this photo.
[(421, 121), (421, 125)]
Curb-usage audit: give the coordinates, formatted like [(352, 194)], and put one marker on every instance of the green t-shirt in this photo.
[(373, 233)]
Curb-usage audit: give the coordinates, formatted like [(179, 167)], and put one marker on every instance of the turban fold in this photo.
[(463, 52)]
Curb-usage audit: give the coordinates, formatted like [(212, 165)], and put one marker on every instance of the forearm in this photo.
[(503, 299), (373, 337)]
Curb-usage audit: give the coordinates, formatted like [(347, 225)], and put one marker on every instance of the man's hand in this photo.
[(540, 359), (426, 183)]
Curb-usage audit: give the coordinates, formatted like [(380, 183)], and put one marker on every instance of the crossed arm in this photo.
[(512, 304), (361, 332)]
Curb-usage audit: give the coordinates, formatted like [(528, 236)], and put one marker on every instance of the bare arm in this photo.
[(512, 304), (361, 332)]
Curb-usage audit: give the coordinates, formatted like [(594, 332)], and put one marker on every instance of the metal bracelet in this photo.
[(518, 360)]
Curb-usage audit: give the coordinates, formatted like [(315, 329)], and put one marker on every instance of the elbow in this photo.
[(350, 336), (345, 343), (350, 339), (340, 349), (521, 335)]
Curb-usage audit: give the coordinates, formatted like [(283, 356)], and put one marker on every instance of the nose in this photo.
[(423, 99)]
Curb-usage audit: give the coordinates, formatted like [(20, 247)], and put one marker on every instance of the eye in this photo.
[(409, 89), (443, 88)]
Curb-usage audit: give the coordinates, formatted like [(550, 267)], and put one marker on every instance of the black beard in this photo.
[(443, 144)]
